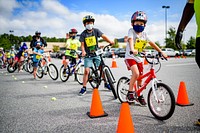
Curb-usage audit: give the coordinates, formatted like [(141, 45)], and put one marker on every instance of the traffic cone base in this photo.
[(182, 98), (125, 123), (96, 109)]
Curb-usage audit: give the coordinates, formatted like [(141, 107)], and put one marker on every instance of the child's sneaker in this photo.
[(141, 100), (131, 96), (107, 86), (82, 91), (64, 73)]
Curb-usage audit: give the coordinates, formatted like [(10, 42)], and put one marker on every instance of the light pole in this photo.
[(11, 31), (165, 7)]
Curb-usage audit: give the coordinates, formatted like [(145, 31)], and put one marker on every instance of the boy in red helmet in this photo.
[(137, 40)]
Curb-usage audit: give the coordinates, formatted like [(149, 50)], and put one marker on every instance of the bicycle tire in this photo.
[(52, 68), (30, 67), (1, 63), (25, 66), (14, 68), (111, 83), (122, 89), (79, 74), (94, 78), (39, 72), (166, 97), (62, 77)]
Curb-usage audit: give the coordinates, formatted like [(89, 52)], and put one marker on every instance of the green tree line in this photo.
[(8, 40)]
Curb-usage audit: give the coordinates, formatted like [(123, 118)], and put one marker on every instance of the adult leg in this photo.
[(197, 56)]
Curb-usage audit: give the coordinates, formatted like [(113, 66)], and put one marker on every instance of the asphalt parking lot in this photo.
[(26, 105)]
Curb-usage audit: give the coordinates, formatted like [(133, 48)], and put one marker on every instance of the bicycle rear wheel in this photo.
[(13, 69), (122, 88), (53, 71), (62, 77), (162, 108), (79, 74), (110, 81)]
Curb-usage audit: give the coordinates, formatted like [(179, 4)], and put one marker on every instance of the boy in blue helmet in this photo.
[(137, 41), (20, 56)]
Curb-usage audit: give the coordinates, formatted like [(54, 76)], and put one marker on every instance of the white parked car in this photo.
[(169, 51), (189, 52)]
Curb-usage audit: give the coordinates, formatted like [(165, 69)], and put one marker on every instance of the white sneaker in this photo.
[(11, 69)]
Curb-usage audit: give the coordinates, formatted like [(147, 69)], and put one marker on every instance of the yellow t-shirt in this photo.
[(197, 14), (72, 44)]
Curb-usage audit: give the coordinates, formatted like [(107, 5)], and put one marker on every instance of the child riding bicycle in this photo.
[(72, 45), (37, 56), (137, 40), (20, 56), (89, 45)]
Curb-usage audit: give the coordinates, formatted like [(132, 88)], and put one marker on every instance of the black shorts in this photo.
[(72, 59)]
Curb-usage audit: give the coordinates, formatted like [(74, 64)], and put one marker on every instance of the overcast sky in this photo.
[(112, 17)]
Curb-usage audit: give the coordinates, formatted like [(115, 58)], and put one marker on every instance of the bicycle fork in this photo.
[(155, 87)]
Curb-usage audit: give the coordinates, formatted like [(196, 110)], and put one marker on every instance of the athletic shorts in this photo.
[(35, 64), (131, 62), (88, 62), (72, 59)]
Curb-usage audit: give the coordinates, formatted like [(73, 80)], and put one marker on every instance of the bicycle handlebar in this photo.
[(157, 56)]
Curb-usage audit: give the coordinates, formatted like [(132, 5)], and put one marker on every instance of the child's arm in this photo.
[(107, 39), (83, 49), (130, 42), (157, 48)]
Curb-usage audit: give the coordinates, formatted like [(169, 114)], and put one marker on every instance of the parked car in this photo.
[(120, 52), (60, 54), (169, 51), (147, 51), (189, 52), (108, 54)]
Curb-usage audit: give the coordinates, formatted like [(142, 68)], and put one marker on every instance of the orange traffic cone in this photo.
[(182, 99), (96, 109), (145, 62), (114, 63), (125, 123)]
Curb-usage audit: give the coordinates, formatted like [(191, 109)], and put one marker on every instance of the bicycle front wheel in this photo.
[(111, 83), (79, 74), (63, 77), (163, 107), (53, 71), (30, 67), (122, 88), (39, 72)]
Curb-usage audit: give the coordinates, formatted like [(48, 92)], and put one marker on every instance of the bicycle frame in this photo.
[(74, 66), (150, 76)]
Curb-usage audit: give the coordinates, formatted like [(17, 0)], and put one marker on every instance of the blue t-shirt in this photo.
[(36, 57)]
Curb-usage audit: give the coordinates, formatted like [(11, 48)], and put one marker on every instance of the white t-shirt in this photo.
[(141, 38)]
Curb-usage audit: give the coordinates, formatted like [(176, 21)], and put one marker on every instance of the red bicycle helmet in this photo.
[(139, 15), (73, 31)]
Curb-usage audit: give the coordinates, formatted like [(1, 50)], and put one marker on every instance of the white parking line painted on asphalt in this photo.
[(183, 64)]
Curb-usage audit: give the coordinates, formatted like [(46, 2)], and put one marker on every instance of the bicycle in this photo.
[(24, 65), (160, 99), (48, 67), (95, 75), (76, 69)]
